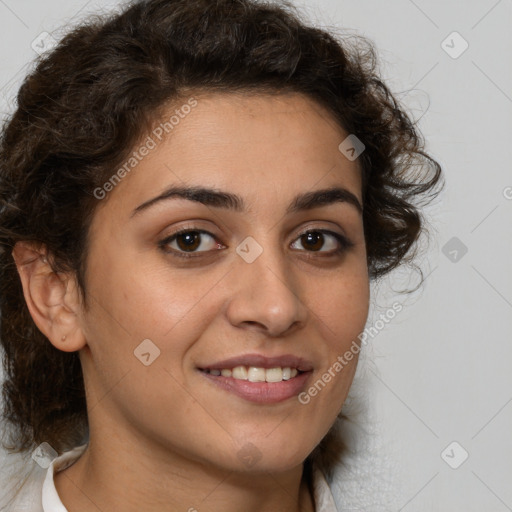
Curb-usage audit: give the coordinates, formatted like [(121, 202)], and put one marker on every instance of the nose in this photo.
[(265, 296)]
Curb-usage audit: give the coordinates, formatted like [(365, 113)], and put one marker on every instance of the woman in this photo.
[(195, 197)]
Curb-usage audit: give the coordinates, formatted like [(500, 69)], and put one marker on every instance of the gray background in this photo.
[(441, 371)]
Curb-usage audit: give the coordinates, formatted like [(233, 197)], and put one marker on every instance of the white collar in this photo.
[(324, 501)]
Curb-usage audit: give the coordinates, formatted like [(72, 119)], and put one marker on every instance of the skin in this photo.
[(163, 437)]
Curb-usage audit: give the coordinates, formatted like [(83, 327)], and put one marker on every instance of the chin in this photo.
[(276, 456)]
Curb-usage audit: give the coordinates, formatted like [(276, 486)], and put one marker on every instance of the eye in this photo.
[(189, 241), (318, 239)]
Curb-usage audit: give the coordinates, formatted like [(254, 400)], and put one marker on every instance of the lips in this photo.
[(261, 361), (260, 379), (256, 374)]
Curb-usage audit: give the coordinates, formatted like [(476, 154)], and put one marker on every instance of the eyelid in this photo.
[(186, 229), (343, 242)]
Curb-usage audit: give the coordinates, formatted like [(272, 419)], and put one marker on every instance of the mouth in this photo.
[(255, 373), (259, 379)]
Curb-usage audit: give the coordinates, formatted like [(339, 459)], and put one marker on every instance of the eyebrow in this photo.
[(229, 201)]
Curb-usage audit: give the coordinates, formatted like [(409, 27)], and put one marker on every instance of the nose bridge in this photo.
[(267, 260), (265, 291)]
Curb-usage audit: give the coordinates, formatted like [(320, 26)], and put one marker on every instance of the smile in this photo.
[(256, 374), (259, 379)]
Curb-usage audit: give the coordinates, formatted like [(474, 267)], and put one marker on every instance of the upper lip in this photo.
[(261, 361)]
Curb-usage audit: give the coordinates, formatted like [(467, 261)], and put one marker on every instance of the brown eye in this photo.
[(313, 240), (189, 241), (323, 241)]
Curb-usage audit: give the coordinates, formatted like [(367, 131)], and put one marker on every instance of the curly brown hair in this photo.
[(86, 104)]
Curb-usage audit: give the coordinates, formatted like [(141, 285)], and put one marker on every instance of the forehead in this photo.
[(253, 120), (250, 144)]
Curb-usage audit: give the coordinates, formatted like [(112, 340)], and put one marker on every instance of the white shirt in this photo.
[(40, 495)]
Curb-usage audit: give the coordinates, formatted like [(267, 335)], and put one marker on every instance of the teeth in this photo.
[(240, 373), (255, 374), (274, 375)]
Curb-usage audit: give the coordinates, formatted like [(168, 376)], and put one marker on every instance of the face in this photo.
[(266, 281)]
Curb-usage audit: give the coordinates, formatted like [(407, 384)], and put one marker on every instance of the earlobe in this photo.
[(52, 298)]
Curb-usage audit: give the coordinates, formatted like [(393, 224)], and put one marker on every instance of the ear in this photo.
[(52, 298)]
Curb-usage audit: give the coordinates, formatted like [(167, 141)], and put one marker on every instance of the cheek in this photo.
[(342, 310), (133, 302)]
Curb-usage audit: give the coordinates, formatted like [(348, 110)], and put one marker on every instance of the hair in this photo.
[(87, 102)]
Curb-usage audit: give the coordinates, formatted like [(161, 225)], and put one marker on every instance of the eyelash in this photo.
[(344, 243)]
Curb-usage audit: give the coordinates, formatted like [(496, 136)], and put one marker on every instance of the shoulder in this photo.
[(322, 495), (38, 493), (26, 495)]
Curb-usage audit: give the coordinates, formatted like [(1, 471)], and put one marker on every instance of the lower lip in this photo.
[(261, 392)]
